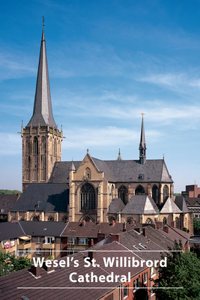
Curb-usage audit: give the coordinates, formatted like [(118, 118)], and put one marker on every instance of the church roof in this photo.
[(43, 197), (42, 112), (180, 202), (116, 206), (154, 170), (170, 207), (140, 204)]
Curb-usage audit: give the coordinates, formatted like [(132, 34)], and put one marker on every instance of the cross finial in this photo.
[(43, 20)]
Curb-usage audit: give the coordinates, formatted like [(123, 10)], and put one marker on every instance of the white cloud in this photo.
[(82, 138)]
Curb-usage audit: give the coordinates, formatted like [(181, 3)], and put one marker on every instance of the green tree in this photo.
[(183, 270), (8, 263), (196, 225)]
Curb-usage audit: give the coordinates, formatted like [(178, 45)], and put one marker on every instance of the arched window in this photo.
[(112, 191), (88, 201), (35, 146), (123, 194), (130, 220), (155, 193), (88, 173), (165, 192), (177, 222), (65, 218), (36, 218), (139, 190), (149, 221), (43, 145), (164, 221), (27, 146), (50, 218), (110, 219), (55, 148)]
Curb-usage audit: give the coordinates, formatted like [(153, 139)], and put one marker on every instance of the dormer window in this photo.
[(141, 176)]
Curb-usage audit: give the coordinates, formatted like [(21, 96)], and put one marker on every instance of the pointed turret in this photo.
[(142, 145), (119, 155), (42, 112)]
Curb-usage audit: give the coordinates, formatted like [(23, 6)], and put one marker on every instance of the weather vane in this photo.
[(43, 20), (142, 114)]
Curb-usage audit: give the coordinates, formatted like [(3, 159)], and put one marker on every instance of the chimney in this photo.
[(91, 242), (83, 223), (158, 225), (90, 220), (66, 221), (172, 224), (18, 195), (100, 236), (166, 229), (98, 222), (113, 222), (35, 271), (92, 255), (144, 231), (124, 226), (115, 238)]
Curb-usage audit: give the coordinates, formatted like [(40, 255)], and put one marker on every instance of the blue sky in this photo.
[(109, 61)]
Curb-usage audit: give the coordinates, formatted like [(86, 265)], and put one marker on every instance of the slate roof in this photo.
[(10, 230), (42, 112), (180, 202), (159, 237), (170, 207), (176, 234), (60, 277), (6, 202), (154, 170), (140, 204), (45, 197), (91, 229), (116, 206), (130, 239), (44, 228), (193, 201)]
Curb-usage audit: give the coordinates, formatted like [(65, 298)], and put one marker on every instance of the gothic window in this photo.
[(27, 146), (177, 222), (43, 145), (164, 221), (165, 192), (123, 194), (55, 148), (130, 220), (139, 190), (149, 221), (112, 191), (36, 218), (88, 201), (35, 146), (155, 193), (65, 218), (50, 218), (88, 173), (110, 219)]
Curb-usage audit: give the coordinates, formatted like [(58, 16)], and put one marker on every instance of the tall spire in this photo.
[(142, 145), (119, 155), (42, 111)]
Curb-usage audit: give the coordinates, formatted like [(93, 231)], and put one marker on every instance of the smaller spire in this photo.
[(72, 168), (119, 155), (87, 150), (142, 145)]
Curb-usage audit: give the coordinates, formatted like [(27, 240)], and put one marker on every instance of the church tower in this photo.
[(142, 145), (41, 139)]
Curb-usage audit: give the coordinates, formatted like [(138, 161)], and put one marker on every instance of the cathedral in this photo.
[(92, 189)]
